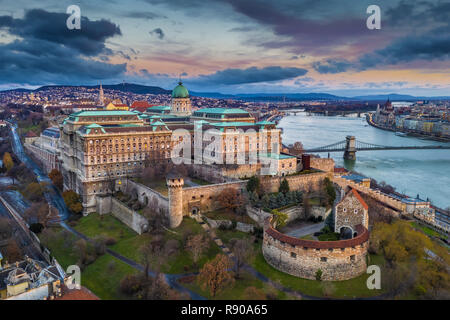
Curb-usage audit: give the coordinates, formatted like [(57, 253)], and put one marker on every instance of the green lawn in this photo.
[(199, 181), (428, 231), (102, 277), (342, 289), (227, 235), (224, 214), (106, 225), (181, 261), (236, 291)]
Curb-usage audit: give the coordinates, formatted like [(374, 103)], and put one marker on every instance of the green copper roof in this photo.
[(158, 108), (232, 124), (222, 111), (94, 126), (265, 123), (180, 91)]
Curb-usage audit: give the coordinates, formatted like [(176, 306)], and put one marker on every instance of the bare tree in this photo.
[(243, 252), (196, 245)]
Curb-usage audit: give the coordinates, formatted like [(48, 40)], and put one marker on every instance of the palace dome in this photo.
[(180, 91)]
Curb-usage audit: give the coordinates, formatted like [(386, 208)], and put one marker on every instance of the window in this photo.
[(352, 257), (355, 211), (323, 259), (293, 255), (344, 210)]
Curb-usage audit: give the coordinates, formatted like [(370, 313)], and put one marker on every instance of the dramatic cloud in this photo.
[(158, 32), (430, 46), (145, 15), (332, 66), (250, 75), (51, 26), (46, 51)]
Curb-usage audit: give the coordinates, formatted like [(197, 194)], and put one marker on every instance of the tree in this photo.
[(284, 186), (57, 178), (296, 149), (215, 275), (243, 251), (39, 213), (279, 218), (254, 185), (73, 201), (319, 275), (8, 161), (5, 228), (35, 191), (330, 191), (231, 199), (196, 245), (13, 251), (253, 293), (306, 207)]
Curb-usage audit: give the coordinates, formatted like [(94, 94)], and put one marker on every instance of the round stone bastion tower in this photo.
[(175, 186)]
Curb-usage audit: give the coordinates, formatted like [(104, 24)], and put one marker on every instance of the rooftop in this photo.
[(103, 113), (222, 111)]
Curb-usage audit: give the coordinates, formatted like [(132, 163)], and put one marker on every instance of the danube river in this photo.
[(423, 172)]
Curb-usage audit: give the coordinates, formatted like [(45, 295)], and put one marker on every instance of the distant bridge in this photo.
[(351, 145)]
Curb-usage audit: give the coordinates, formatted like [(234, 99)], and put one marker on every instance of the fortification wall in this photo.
[(304, 182), (108, 204), (204, 198), (146, 195), (323, 164), (338, 260), (376, 194)]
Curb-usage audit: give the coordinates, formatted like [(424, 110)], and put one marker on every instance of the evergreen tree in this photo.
[(253, 184), (284, 186), (265, 201)]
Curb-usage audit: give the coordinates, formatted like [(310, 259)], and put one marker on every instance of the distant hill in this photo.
[(272, 96), (276, 97), (124, 87), (398, 97)]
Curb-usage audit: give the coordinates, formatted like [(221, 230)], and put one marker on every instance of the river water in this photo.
[(423, 172)]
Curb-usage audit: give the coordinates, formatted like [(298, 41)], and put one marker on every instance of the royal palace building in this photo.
[(97, 148)]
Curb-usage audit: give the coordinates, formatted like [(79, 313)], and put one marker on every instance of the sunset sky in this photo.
[(230, 46)]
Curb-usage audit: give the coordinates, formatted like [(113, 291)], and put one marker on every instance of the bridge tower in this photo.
[(350, 148)]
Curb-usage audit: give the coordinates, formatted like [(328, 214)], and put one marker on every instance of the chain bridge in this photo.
[(350, 146)]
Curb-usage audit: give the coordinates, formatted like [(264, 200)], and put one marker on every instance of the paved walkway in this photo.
[(305, 230)]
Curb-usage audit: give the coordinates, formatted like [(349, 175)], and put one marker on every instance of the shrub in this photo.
[(318, 275)]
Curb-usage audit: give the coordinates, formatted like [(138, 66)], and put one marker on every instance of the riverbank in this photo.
[(409, 133)]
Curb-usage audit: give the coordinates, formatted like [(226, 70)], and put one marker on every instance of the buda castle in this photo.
[(98, 148)]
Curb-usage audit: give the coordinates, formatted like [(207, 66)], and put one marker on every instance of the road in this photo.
[(304, 230), (52, 195)]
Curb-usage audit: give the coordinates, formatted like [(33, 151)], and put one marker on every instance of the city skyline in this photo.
[(230, 46)]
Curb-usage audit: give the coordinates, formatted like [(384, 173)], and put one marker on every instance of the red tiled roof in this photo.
[(141, 106), (363, 236), (30, 134), (74, 294), (360, 199), (340, 170)]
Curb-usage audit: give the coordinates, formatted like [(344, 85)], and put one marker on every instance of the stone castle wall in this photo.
[(338, 260), (323, 164), (204, 198), (146, 195), (304, 182), (132, 219), (376, 194)]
